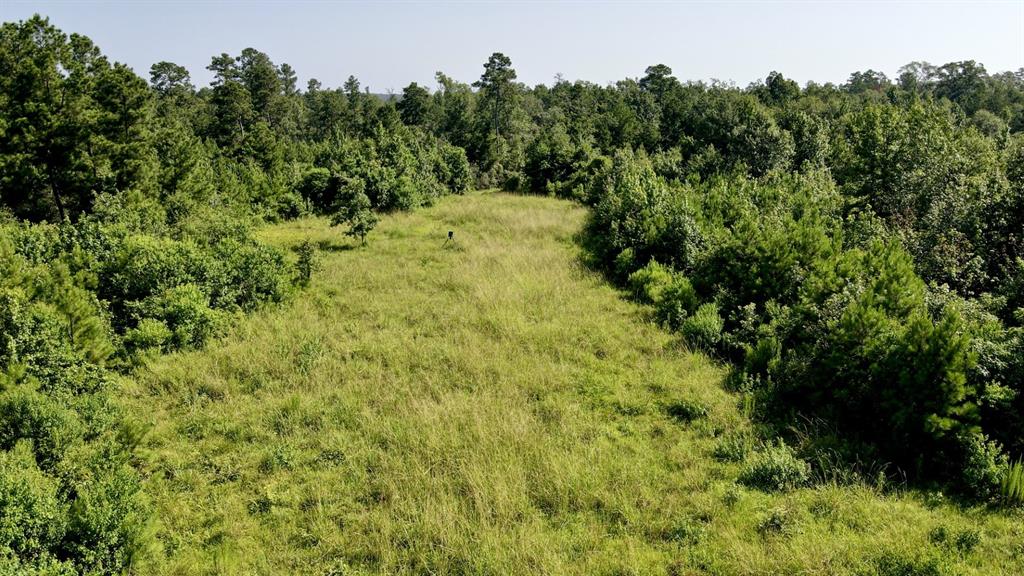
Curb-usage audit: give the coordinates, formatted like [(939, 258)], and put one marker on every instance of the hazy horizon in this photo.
[(388, 45)]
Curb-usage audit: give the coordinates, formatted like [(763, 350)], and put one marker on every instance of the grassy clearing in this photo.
[(491, 408)]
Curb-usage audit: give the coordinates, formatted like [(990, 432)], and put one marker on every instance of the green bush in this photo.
[(314, 187), (871, 352), (984, 465), (246, 274), (703, 330), (648, 283), (733, 447), (185, 311), (69, 496), (459, 174), (143, 266), (33, 516), (763, 357), (775, 468), (624, 264), (150, 335), (307, 263), (51, 428), (826, 317), (678, 301), (106, 526), (778, 522)]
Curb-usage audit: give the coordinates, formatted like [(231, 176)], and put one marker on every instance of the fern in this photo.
[(1013, 483)]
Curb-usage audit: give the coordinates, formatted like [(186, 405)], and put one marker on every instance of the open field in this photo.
[(492, 407)]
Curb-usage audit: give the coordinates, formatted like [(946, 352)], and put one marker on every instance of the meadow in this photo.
[(494, 406)]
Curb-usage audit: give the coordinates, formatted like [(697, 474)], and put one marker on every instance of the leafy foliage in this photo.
[(857, 251), (775, 467), (858, 266)]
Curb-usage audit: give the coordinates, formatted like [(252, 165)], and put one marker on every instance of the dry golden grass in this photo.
[(491, 407)]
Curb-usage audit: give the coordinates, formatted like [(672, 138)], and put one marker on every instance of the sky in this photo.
[(389, 44)]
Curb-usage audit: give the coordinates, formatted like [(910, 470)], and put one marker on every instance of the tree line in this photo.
[(854, 252), (126, 216)]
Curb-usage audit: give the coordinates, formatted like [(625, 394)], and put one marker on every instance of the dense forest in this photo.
[(854, 253)]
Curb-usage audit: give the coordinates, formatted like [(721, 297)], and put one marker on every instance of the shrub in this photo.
[(648, 283), (515, 182), (1012, 484), (633, 207), (28, 415), (938, 535), (872, 353), (150, 335), (288, 206), (984, 465), (703, 330), (306, 264), (186, 313), (246, 275), (686, 531), (733, 447), (315, 188), (32, 516), (143, 266), (459, 172), (624, 264), (678, 300), (967, 540), (106, 520), (778, 521), (763, 357), (775, 468), (355, 211)]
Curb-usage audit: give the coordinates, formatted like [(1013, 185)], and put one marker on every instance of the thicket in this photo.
[(854, 251), (854, 254), (126, 211)]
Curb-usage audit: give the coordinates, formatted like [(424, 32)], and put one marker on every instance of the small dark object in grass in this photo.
[(307, 263), (778, 521), (686, 410), (967, 540)]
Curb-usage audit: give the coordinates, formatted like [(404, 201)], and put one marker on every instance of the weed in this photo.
[(775, 468)]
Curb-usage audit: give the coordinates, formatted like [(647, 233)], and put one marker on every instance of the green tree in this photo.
[(414, 105), (170, 79), (351, 88), (224, 68), (867, 81), (260, 77), (962, 82), (72, 125), (454, 103), (288, 79), (354, 210), (779, 90), (232, 114), (497, 91), (658, 80)]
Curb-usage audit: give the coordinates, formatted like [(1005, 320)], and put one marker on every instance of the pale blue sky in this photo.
[(388, 44)]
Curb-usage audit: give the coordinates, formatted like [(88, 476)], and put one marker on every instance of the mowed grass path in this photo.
[(488, 408)]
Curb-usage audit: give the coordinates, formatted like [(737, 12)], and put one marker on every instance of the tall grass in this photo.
[(492, 408), (1013, 483)]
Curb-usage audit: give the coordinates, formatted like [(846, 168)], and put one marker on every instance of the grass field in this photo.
[(491, 407)]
